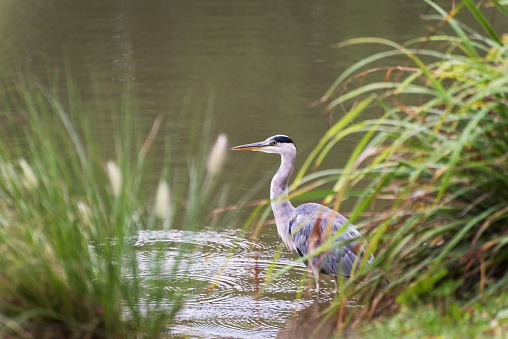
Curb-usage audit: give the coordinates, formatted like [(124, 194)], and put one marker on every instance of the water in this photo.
[(225, 282), (257, 65)]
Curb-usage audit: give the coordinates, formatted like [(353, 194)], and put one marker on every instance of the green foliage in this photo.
[(445, 320), (429, 176), (69, 223), (421, 287)]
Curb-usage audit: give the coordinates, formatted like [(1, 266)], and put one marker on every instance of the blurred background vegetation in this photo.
[(107, 206)]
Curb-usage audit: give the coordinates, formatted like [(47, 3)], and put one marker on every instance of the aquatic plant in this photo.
[(429, 176), (70, 215)]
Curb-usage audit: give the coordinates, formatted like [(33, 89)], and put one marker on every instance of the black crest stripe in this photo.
[(283, 139)]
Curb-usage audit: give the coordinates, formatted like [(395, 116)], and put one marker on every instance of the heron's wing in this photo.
[(312, 224)]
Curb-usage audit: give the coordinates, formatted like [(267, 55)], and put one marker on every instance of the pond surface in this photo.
[(257, 66), (227, 293)]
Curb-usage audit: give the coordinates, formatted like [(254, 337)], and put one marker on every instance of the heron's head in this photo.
[(280, 144)]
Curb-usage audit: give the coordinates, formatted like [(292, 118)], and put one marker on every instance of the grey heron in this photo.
[(307, 226)]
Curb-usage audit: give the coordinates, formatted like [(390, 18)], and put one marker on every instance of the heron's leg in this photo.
[(335, 280), (314, 270), (316, 277)]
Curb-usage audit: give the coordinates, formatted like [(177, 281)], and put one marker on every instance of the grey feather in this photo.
[(312, 224)]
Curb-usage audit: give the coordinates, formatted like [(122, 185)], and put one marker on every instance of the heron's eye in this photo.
[(273, 143)]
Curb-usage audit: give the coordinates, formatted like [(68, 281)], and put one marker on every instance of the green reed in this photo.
[(429, 175), (70, 216)]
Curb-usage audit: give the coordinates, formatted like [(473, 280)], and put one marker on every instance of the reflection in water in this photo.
[(223, 283), (307, 324), (312, 321)]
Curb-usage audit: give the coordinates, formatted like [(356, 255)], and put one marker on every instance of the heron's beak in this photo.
[(257, 146)]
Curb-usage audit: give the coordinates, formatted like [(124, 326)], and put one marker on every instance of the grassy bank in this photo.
[(71, 262), (429, 176), (446, 319)]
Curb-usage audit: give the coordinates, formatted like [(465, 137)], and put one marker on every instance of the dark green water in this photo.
[(257, 65)]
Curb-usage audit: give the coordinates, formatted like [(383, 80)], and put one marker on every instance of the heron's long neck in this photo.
[(281, 206)]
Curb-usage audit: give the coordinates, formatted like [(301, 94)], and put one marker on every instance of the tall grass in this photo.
[(70, 218), (430, 175)]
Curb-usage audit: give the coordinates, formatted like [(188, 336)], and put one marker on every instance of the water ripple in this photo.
[(223, 276)]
